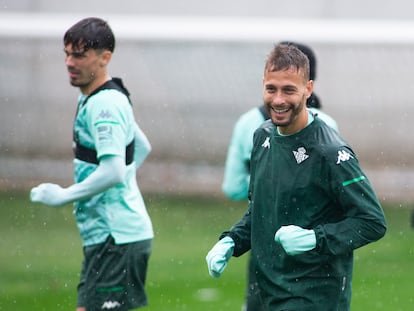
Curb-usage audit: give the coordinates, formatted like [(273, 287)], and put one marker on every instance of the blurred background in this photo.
[(192, 68)]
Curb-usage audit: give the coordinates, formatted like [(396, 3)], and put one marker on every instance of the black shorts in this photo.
[(113, 276)]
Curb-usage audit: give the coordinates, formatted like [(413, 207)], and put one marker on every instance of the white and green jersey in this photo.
[(105, 124)]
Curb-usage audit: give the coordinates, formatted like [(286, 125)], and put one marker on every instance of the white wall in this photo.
[(188, 94)]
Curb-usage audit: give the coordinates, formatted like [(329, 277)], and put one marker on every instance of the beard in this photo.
[(286, 114), (81, 82)]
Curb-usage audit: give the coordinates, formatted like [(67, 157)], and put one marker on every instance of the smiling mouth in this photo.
[(279, 110)]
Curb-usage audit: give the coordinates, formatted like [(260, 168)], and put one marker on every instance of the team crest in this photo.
[(266, 143), (300, 155)]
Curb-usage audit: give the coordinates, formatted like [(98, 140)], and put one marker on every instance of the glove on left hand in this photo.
[(295, 240)]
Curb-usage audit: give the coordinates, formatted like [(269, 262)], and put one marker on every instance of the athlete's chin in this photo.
[(280, 124), (279, 120), (77, 83), (74, 82)]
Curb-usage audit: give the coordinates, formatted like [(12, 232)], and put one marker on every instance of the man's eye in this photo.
[(75, 54), (289, 91), (78, 54)]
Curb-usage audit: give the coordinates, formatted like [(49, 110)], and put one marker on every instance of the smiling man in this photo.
[(285, 93), (310, 204), (109, 147)]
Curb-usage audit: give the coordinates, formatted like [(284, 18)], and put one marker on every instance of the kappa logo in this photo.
[(300, 155), (266, 143), (343, 156), (105, 114), (109, 305)]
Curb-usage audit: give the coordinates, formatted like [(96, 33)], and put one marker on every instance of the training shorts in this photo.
[(113, 276)]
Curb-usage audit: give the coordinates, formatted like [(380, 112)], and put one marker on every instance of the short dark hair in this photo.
[(307, 50), (285, 56), (90, 33)]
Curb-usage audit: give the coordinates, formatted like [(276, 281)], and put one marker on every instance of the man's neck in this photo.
[(309, 120), (95, 84), (299, 124)]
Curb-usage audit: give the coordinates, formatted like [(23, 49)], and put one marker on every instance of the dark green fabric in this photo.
[(311, 179), (113, 276)]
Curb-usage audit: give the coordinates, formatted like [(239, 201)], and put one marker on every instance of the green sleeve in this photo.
[(240, 233), (363, 218)]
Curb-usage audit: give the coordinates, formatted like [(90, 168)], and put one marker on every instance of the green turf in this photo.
[(40, 258)]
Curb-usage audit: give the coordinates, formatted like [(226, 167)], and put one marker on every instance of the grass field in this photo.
[(40, 258)]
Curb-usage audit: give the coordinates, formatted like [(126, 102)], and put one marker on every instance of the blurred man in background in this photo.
[(237, 169), (109, 146)]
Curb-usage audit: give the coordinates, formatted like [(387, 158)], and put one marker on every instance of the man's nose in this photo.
[(69, 60), (278, 99)]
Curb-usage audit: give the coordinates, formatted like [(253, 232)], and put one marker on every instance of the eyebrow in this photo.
[(76, 54), (288, 86)]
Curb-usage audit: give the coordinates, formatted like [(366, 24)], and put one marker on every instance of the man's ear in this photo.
[(309, 88), (105, 58)]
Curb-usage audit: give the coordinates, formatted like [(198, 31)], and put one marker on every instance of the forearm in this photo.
[(110, 172), (241, 234), (363, 223), (236, 177), (142, 146), (347, 235)]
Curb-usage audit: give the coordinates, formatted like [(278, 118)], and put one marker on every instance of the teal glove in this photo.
[(219, 255), (295, 240), (49, 194)]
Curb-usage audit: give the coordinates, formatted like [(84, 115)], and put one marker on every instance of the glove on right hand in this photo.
[(49, 194), (219, 255)]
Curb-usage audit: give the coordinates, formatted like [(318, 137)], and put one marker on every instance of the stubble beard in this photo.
[(295, 111)]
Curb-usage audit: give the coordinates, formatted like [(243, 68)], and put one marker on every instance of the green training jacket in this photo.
[(311, 179)]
